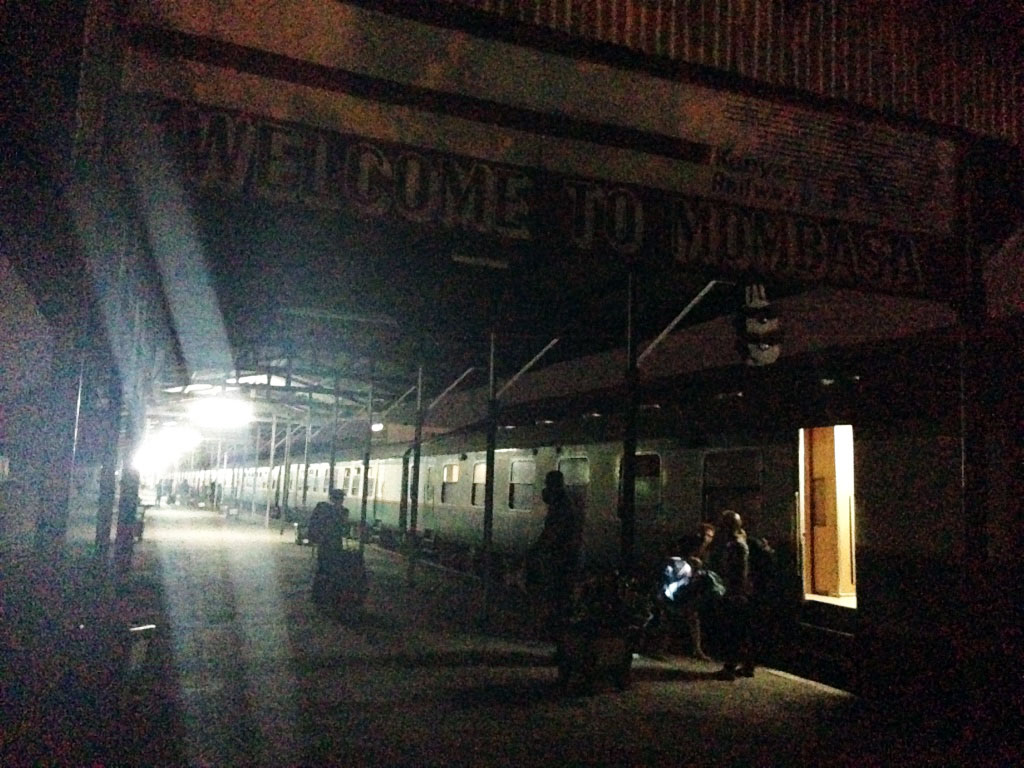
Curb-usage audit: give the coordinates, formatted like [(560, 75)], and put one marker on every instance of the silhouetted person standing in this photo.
[(735, 571), (328, 526), (559, 547)]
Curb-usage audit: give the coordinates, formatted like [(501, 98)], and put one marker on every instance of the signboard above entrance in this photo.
[(243, 154), (336, 106)]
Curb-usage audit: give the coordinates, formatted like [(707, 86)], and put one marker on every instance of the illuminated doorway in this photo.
[(827, 511)]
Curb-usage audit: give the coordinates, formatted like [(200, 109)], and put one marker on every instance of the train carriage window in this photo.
[(576, 471), (449, 479), (356, 488), (520, 484), (479, 483), (647, 492)]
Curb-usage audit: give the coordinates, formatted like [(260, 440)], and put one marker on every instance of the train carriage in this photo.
[(864, 514)]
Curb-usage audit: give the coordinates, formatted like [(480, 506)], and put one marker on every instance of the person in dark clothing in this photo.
[(558, 550), (734, 568), (328, 527)]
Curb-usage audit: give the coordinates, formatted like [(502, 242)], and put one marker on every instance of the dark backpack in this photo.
[(762, 563)]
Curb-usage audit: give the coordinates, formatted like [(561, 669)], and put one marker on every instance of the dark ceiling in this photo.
[(439, 317)]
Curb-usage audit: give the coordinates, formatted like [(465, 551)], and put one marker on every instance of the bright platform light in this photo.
[(219, 413), (162, 447)]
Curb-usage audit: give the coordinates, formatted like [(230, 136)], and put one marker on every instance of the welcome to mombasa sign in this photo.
[(278, 161)]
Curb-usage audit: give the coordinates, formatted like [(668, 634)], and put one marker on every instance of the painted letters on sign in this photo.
[(252, 156), (288, 163)]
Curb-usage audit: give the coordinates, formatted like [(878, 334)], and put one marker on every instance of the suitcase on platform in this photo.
[(340, 584), (607, 620), (586, 660)]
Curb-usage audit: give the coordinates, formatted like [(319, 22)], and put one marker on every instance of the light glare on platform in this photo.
[(376, 427), (162, 447), (220, 413), (259, 378)]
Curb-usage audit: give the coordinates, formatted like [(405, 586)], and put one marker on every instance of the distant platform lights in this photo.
[(220, 414), (163, 446), (260, 379), (210, 416)]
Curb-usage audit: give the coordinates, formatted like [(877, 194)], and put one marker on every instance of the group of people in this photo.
[(708, 565), (689, 585)]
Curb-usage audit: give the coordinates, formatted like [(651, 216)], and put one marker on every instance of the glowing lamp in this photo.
[(161, 448), (220, 413)]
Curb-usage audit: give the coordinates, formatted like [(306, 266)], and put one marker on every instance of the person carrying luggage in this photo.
[(686, 585), (328, 527)]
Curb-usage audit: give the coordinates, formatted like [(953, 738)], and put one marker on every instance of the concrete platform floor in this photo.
[(244, 671)]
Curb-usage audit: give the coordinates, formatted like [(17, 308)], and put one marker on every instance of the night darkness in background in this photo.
[(266, 256)]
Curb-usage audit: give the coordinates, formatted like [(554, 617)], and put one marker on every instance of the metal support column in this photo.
[(215, 490), (492, 440), (286, 482), (270, 469), (255, 469), (127, 517), (974, 468), (417, 446), (412, 536), (305, 451), (366, 465), (627, 502), (334, 436), (403, 497), (108, 469)]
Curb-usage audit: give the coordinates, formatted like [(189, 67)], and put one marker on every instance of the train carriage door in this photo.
[(827, 511)]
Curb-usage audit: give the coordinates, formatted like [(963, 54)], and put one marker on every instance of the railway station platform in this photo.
[(243, 670)]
